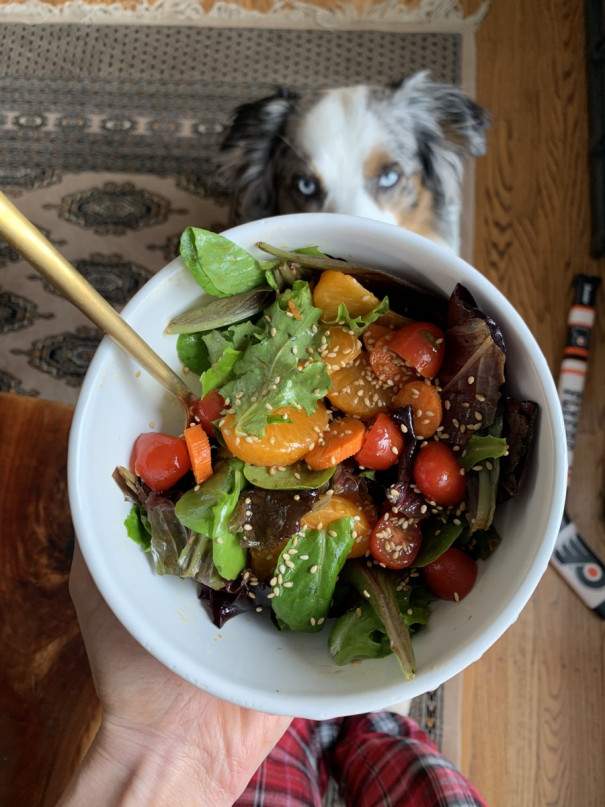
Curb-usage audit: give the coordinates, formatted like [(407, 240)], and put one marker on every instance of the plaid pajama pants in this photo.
[(377, 760)]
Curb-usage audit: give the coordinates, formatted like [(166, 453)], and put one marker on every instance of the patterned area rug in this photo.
[(108, 137)]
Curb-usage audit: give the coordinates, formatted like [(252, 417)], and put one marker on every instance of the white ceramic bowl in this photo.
[(248, 661)]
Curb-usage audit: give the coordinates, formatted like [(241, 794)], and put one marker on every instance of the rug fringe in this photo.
[(436, 14)]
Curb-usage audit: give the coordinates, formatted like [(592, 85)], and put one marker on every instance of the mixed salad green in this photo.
[(344, 462)]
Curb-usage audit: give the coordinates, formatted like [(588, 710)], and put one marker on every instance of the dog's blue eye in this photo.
[(389, 178), (307, 186)]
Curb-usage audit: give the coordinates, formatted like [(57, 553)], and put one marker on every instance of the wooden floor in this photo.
[(533, 708), (533, 711)]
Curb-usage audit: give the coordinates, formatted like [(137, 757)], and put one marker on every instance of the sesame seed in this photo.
[(358, 611), (247, 527), (366, 594), (313, 569), (312, 621), (276, 591), (471, 379), (288, 584)]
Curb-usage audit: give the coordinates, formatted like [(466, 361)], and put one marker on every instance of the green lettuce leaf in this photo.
[(282, 366), (358, 634), (360, 323), (137, 526), (379, 587), (437, 537), (307, 575), (293, 477), (208, 509), (192, 352), (219, 266)]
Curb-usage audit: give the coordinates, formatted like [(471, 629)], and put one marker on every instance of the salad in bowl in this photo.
[(359, 461)]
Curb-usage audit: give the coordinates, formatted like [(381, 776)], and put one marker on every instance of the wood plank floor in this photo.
[(533, 707), (533, 730)]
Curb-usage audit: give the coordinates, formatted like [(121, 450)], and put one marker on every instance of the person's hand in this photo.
[(162, 740)]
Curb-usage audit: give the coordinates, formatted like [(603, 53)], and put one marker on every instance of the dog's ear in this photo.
[(448, 127), (247, 152), (445, 113)]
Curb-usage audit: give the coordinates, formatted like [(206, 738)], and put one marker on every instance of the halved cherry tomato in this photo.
[(382, 444), (395, 541), (209, 409), (422, 345), (160, 460), (452, 575), (387, 365), (438, 474)]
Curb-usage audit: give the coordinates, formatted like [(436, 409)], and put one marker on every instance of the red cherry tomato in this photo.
[(382, 445), (452, 575), (422, 345), (160, 460), (209, 409), (438, 474), (395, 541)]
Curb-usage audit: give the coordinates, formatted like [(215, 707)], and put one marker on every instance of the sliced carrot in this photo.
[(334, 507), (343, 438), (198, 446), (425, 400)]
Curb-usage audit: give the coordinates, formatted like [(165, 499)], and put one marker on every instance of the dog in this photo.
[(395, 153)]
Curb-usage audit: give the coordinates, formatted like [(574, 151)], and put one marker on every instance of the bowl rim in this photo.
[(320, 706)]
